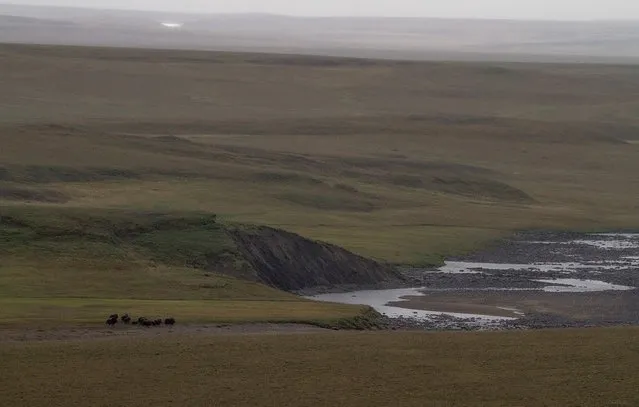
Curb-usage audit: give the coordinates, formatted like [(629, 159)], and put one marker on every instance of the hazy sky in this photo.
[(519, 9)]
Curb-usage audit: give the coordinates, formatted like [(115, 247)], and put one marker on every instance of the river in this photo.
[(587, 264)]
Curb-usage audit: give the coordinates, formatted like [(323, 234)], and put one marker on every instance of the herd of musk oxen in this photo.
[(142, 321)]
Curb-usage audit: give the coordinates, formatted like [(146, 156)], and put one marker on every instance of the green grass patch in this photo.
[(63, 312), (76, 266)]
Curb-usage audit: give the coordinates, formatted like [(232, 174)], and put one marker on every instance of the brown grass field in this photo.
[(580, 368), (396, 160), (405, 162)]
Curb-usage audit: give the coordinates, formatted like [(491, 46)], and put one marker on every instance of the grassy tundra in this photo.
[(398, 161), (62, 266)]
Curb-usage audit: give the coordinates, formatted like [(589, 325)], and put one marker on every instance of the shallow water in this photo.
[(571, 285), (609, 244), (631, 236), (378, 299), (615, 256), (460, 267), (606, 241), (613, 251)]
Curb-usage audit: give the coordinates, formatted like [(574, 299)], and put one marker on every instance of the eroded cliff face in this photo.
[(291, 262)]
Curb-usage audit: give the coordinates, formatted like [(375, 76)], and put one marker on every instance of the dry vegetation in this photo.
[(396, 160), (585, 368), (405, 162)]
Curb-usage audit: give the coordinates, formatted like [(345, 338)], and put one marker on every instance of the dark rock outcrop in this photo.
[(290, 262)]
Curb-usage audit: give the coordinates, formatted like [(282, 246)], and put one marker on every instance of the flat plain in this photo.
[(543, 368)]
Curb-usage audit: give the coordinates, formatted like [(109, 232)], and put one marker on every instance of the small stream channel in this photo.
[(543, 265)]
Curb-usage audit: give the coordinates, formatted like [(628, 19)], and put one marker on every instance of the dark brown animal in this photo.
[(169, 321), (126, 319), (144, 322), (111, 321)]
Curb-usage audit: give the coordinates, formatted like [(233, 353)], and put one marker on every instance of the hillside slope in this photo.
[(289, 262), (66, 266), (118, 239), (403, 162)]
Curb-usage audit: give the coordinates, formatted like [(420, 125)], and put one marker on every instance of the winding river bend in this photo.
[(571, 276)]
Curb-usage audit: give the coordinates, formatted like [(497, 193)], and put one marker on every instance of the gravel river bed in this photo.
[(533, 280)]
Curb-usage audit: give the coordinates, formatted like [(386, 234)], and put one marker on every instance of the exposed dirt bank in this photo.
[(290, 262)]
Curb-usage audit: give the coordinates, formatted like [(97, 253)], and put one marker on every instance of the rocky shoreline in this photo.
[(529, 322), (508, 274)]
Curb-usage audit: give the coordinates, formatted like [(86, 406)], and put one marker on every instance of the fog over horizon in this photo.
[(266, 27), (479, 9)]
